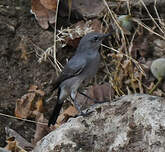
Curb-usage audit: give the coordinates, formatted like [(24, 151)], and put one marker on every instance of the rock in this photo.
[(158, 68), (61, 135), (3, 150), (89, 9), (130, 123), (159, 48)]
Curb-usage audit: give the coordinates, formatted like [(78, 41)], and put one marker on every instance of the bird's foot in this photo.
[(100, 102), (84, 113)]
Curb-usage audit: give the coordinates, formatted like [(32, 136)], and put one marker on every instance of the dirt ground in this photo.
[(19, 69)]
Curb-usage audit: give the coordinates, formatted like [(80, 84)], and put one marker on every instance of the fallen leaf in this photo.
[(41, 130), (34, 88), (98, 93), (13, 146), (30, 104), (101, 93), (22, 142), (80, 29), (89, 9), (49, 4), (23, 105), (71, 111), (43, 15)]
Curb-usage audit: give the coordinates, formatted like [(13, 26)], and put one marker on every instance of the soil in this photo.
[(19, 66)]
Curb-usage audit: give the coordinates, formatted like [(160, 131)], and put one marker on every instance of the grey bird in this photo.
[(83, 65)]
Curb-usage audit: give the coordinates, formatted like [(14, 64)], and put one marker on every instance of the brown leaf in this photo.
[(49, 4), (41, 130), (39, 105), (34, 88), (23, 105), (42, 14), (73, 42), (92, 25), (89, 9), (21, 141), (70, 111), (99, 93), (30, 104), (12, 145)]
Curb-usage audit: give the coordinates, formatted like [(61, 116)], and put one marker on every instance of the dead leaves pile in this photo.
[(44, 11), (131, 67), (12, 145), (30, 106), (72, 35)]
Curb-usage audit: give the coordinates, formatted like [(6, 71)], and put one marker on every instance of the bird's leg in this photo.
[(81, 113)]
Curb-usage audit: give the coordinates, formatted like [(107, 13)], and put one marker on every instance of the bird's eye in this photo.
[(96, 38)]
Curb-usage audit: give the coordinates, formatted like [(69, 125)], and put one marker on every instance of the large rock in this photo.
[(130, 123)]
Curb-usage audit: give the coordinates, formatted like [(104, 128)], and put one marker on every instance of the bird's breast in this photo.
[(92, 65)]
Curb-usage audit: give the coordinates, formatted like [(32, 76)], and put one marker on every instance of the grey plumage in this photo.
[(83, 65)]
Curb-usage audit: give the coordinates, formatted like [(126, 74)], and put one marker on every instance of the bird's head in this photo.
[(92, 40)]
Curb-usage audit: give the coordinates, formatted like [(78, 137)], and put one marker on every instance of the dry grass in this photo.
[(127, 74)]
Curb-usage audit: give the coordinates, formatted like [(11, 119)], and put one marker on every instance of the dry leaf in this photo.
[(49, 4), (99, 93), (21, 141), (23, 105), (39, 105), (41, 130), (71, 111), (12, 145), (82, 28), (42, 14), (34, 88), (30, 104), (89, 9)]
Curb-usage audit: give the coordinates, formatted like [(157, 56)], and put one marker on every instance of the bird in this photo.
[(82, 66)]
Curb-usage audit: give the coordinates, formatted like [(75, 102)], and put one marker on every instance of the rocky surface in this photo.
[(130, 123)]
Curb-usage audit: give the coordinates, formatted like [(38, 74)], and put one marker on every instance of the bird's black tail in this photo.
[(56, 112)]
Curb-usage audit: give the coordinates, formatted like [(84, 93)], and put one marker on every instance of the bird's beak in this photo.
[(104, 36)]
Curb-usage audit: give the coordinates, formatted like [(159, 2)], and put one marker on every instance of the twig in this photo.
[(152, 17), (136, 62), (55, 31), (160, 20), (148, 28), (23, 119), (115, 20)]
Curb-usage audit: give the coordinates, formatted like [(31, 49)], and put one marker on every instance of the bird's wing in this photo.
[(73, 68)]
